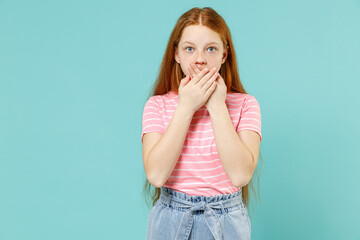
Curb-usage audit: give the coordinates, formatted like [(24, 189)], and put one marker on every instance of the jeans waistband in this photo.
[(194, 203)]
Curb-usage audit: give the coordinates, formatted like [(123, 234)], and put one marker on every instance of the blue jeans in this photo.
[(179, 216)]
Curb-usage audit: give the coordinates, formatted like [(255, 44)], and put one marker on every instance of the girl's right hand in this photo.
[(194, 92)]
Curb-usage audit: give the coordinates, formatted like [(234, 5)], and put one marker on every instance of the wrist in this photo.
[(217, 107), (185, 111)]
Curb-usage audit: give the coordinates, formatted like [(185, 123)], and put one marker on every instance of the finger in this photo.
[(198, 77), (210, 90), (185, 80), (191, 72), (195, 68), (207, 77), (209, 82), (221, 80)]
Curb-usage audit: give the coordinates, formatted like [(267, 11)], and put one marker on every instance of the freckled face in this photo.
[(202, 46)]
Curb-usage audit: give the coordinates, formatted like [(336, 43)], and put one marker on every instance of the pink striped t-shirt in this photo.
[(199, 170)]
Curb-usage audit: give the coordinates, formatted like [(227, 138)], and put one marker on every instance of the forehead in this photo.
[(199, 34)]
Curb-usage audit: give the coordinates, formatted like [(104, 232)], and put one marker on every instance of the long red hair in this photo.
[(171, 74)]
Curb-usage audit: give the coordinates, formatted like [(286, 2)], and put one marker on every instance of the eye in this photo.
[(213, 48)]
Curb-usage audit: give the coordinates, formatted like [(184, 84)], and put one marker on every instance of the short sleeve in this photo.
[(151, 120), (250, 116)]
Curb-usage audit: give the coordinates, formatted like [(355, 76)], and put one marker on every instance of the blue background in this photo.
[(74, 78)]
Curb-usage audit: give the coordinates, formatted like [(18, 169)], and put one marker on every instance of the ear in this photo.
[(177, 56), (225, 54)]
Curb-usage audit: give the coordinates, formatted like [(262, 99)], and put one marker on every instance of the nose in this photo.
[(199, 57), (200, 60)]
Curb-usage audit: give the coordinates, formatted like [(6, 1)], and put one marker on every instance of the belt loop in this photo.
[(167, 199), (222, 207)]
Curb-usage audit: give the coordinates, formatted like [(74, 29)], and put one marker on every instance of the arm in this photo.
[(237, 159), (164, 155)]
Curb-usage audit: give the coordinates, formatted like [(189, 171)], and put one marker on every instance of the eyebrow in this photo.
[(207, 43)]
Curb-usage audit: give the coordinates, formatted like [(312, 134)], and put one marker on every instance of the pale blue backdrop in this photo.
[(74, 77)]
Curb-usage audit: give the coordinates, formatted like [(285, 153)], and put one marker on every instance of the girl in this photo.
[(201, 135)]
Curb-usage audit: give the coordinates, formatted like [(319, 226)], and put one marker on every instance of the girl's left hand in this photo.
[(218, 97)]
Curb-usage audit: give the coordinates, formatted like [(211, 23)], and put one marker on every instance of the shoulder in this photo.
[(245, 97), (251, 104), (156, 101), (238, 97), (242, 101), (251, 100)]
